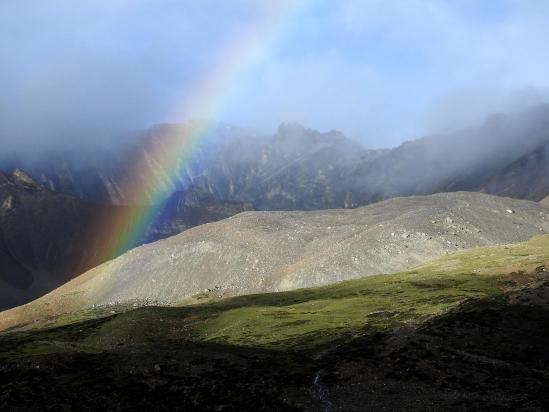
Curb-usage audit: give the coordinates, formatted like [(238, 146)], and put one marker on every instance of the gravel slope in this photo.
[(272, 251)]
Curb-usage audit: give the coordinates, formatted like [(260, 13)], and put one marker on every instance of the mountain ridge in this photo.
[(297, 168)]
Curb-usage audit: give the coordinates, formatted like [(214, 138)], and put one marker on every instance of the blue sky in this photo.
[(380, 71)]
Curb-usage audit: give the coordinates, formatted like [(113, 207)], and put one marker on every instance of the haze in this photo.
[(379, 71)]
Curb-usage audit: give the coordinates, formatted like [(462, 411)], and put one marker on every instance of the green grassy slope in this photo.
[(463, 332), (310, 317)]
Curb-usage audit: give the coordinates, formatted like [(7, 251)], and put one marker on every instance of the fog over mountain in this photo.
[(300, 168), (82, 75), (291, 205)]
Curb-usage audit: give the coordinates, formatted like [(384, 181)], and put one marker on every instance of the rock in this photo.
[(23, 179)]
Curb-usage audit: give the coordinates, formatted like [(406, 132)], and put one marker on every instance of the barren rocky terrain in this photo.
[(467, 331), (48, 238), (273, 251)]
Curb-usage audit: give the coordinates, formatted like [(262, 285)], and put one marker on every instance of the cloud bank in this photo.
[(72, 72)]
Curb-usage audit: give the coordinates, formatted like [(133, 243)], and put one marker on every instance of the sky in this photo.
[(379, 71)]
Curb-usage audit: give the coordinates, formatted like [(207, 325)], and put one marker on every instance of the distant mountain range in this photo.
[(302, 169)]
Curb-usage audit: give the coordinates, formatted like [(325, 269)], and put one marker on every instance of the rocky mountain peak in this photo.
[(21, 178), (291, 130)]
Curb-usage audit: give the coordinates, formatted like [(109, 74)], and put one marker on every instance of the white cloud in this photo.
[(386, 70)]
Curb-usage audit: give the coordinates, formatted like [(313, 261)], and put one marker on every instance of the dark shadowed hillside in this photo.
[(527, 177), (48, 238)]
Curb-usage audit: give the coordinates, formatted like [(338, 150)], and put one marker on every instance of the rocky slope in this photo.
[(47, 238), (464, 332), (271, 251)]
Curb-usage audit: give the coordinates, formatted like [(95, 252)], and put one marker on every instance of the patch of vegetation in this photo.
[(481, 339), (307, 318)]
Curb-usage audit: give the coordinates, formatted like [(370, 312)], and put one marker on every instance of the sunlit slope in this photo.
[(321, 315), (316, 316)]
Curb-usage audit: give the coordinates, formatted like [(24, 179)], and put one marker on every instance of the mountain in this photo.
[(45, 238), (302, 169), (474, 159), (48, 238), (116, 174), (466, 331), (296, 169), (192, 207), (299, 168), (524, 178), (256, 252)]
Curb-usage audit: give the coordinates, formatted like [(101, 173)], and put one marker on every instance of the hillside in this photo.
[(48, 238), (273, 251), (526, 178), (463, 331)]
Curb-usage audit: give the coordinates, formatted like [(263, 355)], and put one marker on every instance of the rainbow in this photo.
[(242, 52)]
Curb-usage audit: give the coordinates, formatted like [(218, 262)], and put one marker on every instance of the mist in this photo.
[(82, 75)]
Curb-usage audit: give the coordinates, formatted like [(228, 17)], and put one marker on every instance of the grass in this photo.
[(304, 318)]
